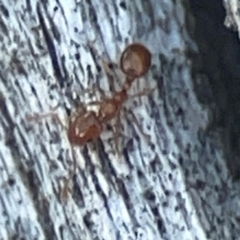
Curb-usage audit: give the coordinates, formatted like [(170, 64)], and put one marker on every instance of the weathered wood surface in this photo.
[(175, 187)]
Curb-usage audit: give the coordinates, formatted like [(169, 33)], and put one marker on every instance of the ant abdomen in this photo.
[(84, 128)]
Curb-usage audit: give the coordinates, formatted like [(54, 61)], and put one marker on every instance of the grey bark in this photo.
[(175, 186)]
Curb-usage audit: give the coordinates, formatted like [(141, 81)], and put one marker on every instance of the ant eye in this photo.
[(135, 60)]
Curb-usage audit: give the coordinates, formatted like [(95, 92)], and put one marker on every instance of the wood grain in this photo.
[(175, 186)]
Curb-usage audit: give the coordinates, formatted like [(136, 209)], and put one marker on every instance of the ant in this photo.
[(87, 125)]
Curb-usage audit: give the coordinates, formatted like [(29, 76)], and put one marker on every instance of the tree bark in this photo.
[(174, 186)]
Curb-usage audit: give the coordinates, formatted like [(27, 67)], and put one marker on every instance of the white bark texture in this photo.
[(174, 186)]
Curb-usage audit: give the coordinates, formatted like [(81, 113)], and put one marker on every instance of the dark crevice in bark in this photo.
[(50, 45), (220, 57)]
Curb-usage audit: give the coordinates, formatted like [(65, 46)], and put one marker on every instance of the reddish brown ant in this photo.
[(86, 125)]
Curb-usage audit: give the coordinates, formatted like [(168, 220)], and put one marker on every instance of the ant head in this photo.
[(135, 60)]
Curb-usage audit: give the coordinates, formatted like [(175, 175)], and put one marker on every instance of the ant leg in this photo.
[(38, 117)]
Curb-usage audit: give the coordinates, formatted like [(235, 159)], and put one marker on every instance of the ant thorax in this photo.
[(108, 109)]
